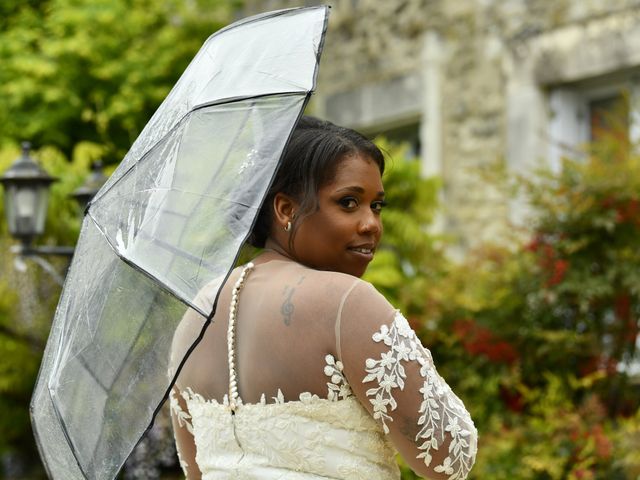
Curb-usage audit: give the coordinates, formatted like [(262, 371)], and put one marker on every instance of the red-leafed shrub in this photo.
[(540, 337)]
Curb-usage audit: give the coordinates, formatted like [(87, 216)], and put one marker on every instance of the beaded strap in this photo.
[(231, 332)]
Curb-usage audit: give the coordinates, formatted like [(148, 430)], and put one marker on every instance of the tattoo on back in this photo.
[(287, 306)]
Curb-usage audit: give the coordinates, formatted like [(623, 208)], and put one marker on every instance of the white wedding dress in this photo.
[(313, 375)]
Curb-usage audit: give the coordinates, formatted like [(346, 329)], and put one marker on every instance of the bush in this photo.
[(541, 340)]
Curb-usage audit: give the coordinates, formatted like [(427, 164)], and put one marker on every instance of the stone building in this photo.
[(477, 84)]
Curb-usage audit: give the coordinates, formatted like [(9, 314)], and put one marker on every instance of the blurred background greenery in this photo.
[(538, 332)]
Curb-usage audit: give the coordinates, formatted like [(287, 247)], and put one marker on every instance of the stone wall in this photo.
[(476, 75)]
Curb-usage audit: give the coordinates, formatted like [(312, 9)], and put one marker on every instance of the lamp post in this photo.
[(85, 192), (26, 193)]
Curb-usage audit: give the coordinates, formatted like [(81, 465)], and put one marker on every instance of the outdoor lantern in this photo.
[(85, 192), (26, 193)]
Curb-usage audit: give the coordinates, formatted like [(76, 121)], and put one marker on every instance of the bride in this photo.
[(306, 371)]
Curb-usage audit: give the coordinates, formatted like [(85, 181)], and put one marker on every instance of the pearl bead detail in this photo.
[(233, 311)]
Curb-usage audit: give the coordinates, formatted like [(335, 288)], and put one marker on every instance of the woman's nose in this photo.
[(370, 223)]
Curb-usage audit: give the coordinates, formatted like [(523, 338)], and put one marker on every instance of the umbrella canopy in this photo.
[(170, 220)]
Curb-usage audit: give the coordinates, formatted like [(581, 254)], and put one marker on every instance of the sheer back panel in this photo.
[(285, 327)]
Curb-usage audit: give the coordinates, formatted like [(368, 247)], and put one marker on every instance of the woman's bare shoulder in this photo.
[(336, 287)]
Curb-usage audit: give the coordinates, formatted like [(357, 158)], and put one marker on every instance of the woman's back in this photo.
[(284, 328), (320, 346), (297, 417)]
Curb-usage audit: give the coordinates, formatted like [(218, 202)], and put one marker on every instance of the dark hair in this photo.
[(309, 162)]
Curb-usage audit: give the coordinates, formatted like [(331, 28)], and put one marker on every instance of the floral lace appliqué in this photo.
[(442, 415), (338, 388), (312, 427), (184, 420)]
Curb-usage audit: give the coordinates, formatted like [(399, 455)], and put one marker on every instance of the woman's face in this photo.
[(343, 233)]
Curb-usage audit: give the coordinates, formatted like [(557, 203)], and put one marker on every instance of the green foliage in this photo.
[(17, 370), (28, 298), (95, 70), (541, 340), (587, 264)]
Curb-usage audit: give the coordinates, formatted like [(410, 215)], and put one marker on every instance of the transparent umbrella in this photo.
[(169, 221)]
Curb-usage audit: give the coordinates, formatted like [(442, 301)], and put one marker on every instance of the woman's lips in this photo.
[(365, 253)]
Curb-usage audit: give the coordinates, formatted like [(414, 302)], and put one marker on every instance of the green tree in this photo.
[(95, 70)]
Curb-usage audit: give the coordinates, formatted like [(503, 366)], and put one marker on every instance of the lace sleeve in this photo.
[(395, 378)]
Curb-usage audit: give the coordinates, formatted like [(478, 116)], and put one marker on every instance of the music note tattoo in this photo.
[(287, 306)]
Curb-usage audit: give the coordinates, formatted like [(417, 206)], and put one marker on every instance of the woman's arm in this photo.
[(186, 333), (394, 377)]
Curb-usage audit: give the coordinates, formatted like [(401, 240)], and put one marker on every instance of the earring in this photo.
[(287, 227)]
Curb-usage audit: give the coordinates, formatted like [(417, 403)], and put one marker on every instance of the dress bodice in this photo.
[(311, 438)]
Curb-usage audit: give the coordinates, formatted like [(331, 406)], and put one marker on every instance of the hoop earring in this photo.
[(287, 227)]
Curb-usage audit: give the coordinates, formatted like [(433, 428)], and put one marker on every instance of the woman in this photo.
[(307, 371)]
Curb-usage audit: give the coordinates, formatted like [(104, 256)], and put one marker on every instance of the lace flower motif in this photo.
[(184, 419), (442, 416), (338, 388)]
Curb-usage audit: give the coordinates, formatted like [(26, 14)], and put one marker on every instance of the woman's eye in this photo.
[(349, 202), (378, 206)]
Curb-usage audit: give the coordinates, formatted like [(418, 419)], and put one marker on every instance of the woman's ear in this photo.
[(284, 209)]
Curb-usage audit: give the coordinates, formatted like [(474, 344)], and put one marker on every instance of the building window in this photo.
[(609, 115), (581, 113)]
